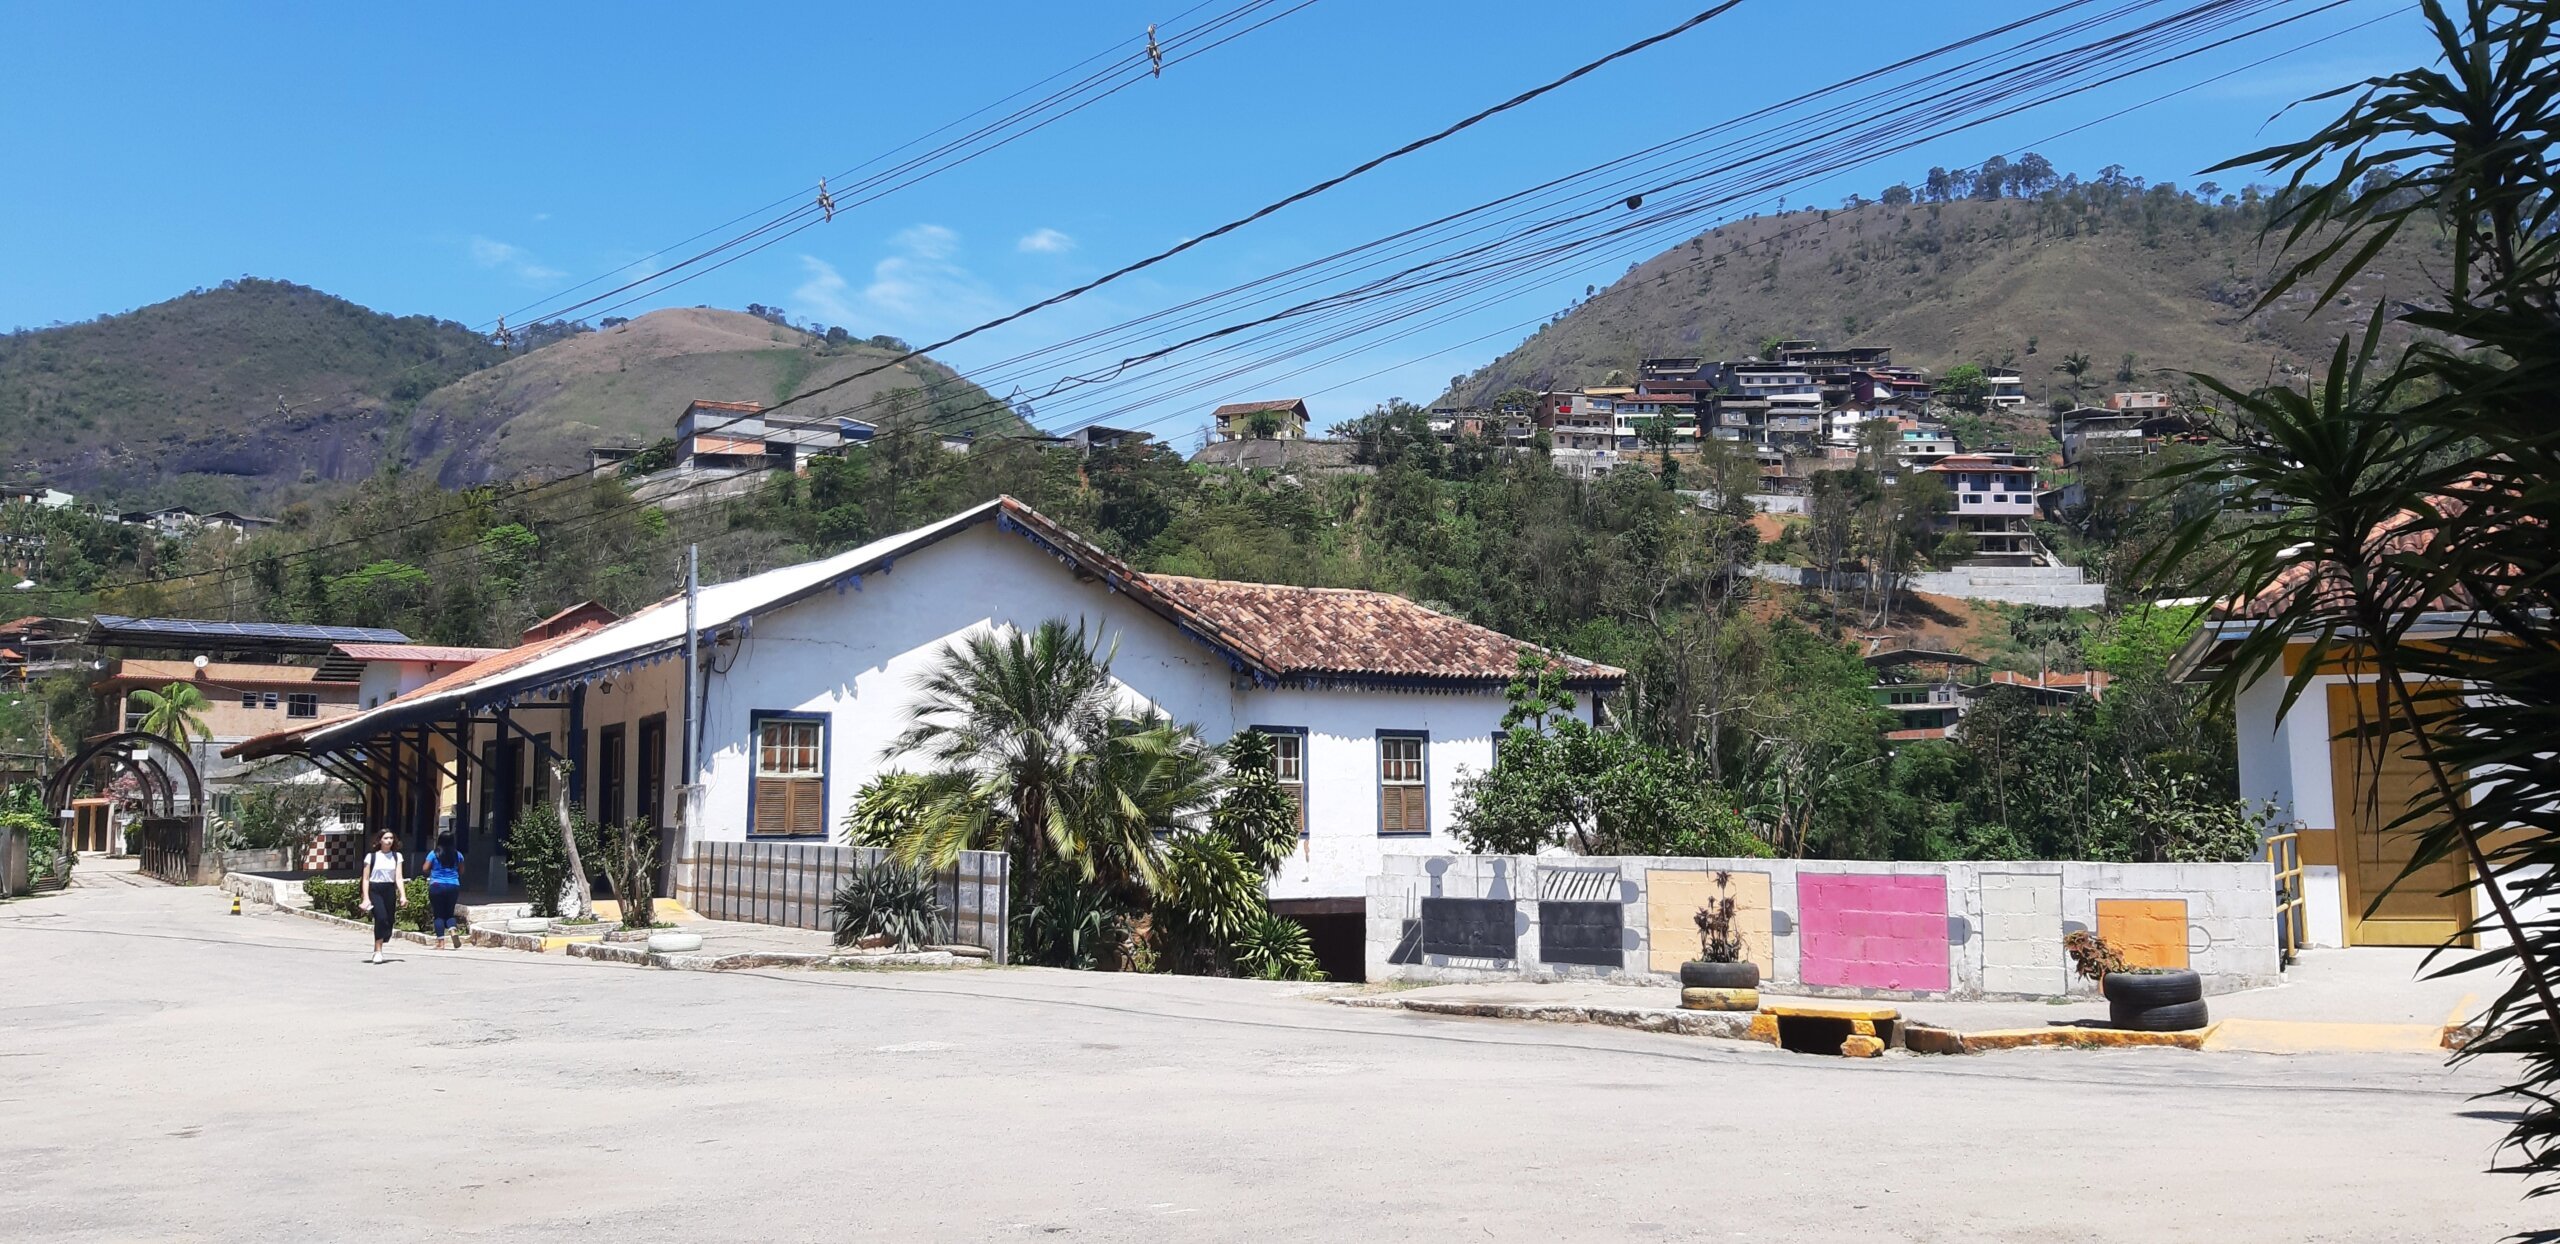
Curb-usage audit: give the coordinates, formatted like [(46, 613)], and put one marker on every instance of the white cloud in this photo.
[(822, 296), (927, 241), (1045, 242), (514, 260), (919, 289)]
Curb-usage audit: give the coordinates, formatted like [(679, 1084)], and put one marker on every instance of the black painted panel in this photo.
[(1585, 933), (1470, 928)]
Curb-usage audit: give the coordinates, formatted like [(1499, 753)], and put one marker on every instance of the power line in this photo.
[(912, 354)]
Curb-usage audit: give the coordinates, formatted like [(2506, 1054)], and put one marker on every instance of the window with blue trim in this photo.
[(1289, 765), (790, 794), (1404, 790)]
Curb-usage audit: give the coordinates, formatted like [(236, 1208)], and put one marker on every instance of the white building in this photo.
[(809, 672), (2007, 389)]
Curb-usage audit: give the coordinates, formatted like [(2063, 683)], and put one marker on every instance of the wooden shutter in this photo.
[(808, 817), (773, 805)]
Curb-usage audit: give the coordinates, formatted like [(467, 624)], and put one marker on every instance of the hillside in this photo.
[(242, 395), (625, 385), (216, 396), (2162, 277)]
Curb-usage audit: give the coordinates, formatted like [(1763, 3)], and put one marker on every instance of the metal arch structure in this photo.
[(140, 754)]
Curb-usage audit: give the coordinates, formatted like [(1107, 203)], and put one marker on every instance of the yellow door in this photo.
[(2384, 908)]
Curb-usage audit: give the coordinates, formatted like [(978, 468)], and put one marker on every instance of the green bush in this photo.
[(333, 898), (535, 857), (1275, 948), (889, 900)]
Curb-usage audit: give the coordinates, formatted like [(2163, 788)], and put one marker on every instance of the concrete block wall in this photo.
[(1849, 928)]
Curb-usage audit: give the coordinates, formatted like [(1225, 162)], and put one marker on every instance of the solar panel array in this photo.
[(113, 627)]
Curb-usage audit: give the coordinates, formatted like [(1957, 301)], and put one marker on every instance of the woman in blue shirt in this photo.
[(444, 886)]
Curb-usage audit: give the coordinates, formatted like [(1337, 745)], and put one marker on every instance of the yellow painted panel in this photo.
[(1672, 899), (2148, 932)]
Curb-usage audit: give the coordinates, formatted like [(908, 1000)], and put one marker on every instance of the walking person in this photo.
[(383, 880), (444, 889)]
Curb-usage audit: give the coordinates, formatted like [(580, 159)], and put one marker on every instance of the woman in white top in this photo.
[(382, 886)]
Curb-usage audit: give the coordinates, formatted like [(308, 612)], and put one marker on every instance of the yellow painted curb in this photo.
[(550, 944), (2275, 1036), (2083, 1039)]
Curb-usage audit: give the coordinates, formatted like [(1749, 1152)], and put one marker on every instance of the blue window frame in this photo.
[(1404, 784), (787, 793), (1289, 764)]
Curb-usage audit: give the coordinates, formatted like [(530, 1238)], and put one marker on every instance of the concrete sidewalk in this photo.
[(2365, 1000)]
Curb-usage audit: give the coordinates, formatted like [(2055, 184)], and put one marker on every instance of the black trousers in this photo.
[(386, 904)]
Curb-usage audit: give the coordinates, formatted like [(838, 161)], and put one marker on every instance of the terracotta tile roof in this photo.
[(424, 653), (1316, 631), (1918, 733)]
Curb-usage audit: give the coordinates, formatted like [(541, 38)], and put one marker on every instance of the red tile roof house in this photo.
[(809, 670)]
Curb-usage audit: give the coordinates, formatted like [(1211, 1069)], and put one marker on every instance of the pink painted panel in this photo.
[(1869, 931)]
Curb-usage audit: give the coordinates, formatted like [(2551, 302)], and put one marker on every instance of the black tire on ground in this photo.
[(1700, 974), (2175, 1017), (2144, 990)]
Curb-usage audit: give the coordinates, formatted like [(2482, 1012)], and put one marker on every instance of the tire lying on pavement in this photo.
[(2175, 1017)]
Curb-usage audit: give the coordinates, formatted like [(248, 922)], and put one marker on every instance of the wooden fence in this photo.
[(793, 884), (173, 851)]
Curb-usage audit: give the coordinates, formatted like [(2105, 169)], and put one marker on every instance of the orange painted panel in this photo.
[(1672, 899), (2148, 932)]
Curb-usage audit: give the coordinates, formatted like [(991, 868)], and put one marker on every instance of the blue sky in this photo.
[(465, 160)]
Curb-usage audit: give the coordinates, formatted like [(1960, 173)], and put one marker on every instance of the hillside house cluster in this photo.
[(1929, 690)]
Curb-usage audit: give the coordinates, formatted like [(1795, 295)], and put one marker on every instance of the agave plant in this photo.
[(889, 900)]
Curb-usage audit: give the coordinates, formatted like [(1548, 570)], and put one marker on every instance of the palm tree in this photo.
[(174, 712), (2076, 364), (1010, 724)]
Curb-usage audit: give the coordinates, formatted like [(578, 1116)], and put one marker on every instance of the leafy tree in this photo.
[(1966, 386), (1561, 782)]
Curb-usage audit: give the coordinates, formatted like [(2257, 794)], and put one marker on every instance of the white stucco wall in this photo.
[(855, 657)]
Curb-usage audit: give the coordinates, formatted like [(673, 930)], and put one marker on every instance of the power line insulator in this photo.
[(1155, 54), (826, 201)]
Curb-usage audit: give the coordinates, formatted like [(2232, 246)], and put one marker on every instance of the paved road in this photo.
[(170, 1072)]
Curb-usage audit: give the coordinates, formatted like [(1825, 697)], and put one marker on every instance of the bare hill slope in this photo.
[(625, 385)]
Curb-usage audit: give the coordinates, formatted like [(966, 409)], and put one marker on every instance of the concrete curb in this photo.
[(1734, 1025), (1925, 1039), (638, 957)]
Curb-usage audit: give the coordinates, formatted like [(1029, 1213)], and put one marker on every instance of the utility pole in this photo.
[(687, 792)]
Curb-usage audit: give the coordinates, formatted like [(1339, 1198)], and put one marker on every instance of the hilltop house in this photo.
[(1992, 497), (1379, 705), (1279, 419)]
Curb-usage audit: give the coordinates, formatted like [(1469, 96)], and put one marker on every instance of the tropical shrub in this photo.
[(1072, 925), (534, 854), (1275, 948), (627, 854), (332, 898), (889, 900)]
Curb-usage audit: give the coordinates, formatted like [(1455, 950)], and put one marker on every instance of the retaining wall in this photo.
[(1845, 928)]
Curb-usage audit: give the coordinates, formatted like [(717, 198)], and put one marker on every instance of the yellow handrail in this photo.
[(2284, 851)]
